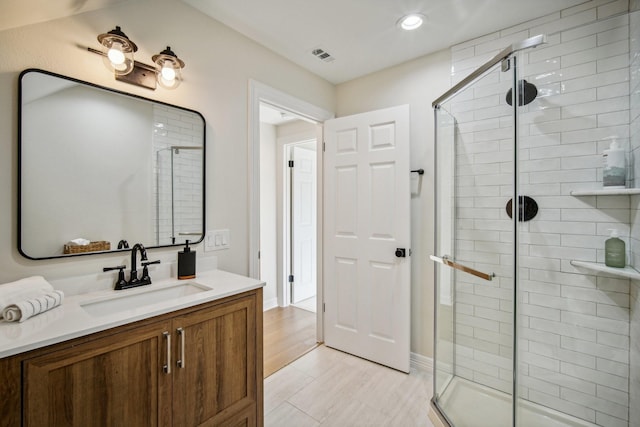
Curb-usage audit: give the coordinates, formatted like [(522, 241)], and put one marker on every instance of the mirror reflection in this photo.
[(99, 168)]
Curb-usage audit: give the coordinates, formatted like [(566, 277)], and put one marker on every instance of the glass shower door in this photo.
[(474, 256), (178, 187)]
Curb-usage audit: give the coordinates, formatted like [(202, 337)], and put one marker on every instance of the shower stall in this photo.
[(532, 328), (178, 188)]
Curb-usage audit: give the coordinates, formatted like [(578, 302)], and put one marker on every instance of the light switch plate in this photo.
[(216, 240)]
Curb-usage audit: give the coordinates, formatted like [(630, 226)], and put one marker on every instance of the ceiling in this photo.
[(361, 35), (275, 116), (17, 13)]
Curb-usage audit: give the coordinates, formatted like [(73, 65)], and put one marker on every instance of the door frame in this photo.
[(259, 92)]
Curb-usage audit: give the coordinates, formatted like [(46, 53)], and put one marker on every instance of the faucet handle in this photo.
[(146, 279), (121, 283)]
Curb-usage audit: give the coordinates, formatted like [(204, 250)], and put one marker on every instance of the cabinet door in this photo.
[(217, 379), (113, 381)]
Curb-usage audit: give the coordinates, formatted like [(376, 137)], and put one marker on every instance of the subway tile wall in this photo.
[(178, 209), (634, 355), (634, 118), (574, 332)]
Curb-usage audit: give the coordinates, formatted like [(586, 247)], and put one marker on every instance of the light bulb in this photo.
[(118, 51), (168, 68), (411, 22), (115, 54), (168, 73)]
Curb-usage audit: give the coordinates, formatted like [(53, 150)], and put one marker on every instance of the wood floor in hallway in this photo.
[(289, 332)]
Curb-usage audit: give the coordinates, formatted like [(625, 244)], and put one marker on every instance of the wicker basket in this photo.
[(91, 247)]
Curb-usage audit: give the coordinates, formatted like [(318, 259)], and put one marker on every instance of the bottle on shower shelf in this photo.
[(614, 251), (615, 167)]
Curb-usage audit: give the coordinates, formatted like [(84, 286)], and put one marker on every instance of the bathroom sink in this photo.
[(139, 297)]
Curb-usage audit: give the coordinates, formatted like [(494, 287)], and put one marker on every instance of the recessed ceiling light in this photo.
[(411, 22)]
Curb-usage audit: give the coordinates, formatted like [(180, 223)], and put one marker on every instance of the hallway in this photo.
[(289, 332)]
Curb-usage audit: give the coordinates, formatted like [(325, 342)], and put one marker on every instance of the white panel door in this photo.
[(367, 218), (304, 224)]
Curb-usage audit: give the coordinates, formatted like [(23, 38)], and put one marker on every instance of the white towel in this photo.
[(24, 289), (79, 242), (22, 310)]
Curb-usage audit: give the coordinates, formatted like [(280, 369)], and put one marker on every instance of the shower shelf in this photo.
[(628, 272), (608, 192)]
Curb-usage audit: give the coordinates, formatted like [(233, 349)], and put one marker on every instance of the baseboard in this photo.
[(421, 363), (268, 304)]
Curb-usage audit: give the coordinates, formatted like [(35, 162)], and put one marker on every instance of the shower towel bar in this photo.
[(446, 261)]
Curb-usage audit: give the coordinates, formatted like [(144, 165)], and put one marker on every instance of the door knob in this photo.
[(401, 252)]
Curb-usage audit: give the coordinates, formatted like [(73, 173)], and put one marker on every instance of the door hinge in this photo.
[(323, 308), (323, 146), (258, 254), (290, 163), (291, 278)]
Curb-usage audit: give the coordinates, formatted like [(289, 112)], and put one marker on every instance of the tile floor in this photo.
[(326, 387)]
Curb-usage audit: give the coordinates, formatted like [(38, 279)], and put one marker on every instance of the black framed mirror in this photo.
[(99, 169)]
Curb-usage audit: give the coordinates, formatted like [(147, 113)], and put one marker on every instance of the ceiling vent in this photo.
[(323, 55)]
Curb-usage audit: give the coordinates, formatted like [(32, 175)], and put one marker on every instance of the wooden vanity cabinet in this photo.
[(112, 381), (200, 366), (216, 377)]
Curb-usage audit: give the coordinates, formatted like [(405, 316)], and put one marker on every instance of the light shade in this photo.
[(118, 50), (168, 68), (411, 22)]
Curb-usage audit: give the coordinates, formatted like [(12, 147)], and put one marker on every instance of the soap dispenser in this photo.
[(186, 263), (614, 251), (614, 173)]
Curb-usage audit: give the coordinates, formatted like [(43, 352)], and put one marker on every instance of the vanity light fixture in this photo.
[(118, 52), (168, 68), (411, 22)]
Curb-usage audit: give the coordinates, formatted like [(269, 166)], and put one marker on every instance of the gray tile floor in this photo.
[(326, 387)]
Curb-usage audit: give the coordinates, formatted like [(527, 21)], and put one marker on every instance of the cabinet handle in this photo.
[(180, 362), (167, 367)]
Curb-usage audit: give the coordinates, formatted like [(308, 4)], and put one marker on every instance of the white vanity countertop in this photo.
[(70, 320)]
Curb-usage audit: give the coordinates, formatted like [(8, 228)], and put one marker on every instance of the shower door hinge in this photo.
[(290, 163), (505, 65), (291, 278)]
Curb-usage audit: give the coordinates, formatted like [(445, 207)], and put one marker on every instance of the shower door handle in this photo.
[(446, 261)]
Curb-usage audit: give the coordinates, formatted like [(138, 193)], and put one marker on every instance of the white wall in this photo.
[(219, 64), (416, 83)]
